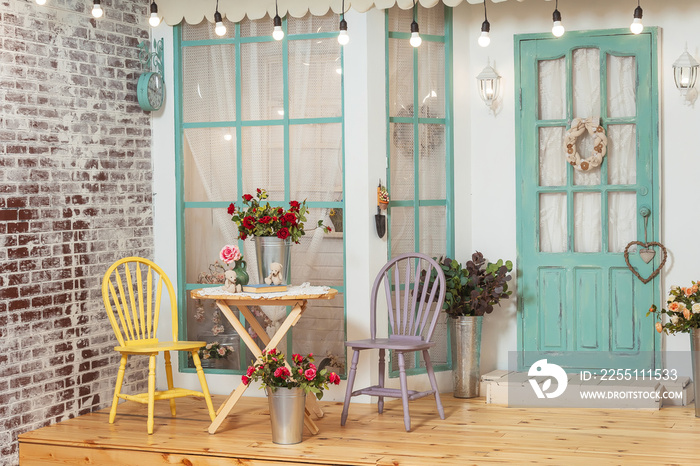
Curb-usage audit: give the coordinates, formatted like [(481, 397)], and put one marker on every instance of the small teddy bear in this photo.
[(230, 284), (275, 277)]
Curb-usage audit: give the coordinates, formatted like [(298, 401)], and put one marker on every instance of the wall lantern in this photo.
[(489, 83), (685, 72)]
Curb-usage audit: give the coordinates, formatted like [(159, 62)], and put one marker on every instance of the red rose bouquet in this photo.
[(258, 219), (274, 373)]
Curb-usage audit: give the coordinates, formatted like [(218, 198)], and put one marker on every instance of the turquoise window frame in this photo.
[(181, 205), (415, 120)]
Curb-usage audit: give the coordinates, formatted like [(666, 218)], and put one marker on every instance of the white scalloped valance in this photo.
[(193, 12)]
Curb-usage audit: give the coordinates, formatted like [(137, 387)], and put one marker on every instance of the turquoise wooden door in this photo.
[(579, 305)]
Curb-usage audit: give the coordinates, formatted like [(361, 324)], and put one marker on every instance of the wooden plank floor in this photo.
[(472, 433)]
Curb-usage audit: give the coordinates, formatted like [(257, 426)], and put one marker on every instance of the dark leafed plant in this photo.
[(476, 288)]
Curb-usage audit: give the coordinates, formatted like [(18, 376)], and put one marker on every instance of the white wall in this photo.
[(484, 165)]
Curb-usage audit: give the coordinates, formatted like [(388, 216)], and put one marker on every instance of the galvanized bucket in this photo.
[(465, 335), (695, 358), (286, 414), (270, 249)]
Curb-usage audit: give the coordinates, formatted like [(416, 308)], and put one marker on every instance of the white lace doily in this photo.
[(305, 289)]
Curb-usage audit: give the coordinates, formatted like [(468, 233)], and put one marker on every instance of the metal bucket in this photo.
[(286, 414), (465, 335), (269, 249), (695, 358)]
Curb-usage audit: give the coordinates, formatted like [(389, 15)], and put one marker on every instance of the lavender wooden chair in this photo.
[(413, 314)]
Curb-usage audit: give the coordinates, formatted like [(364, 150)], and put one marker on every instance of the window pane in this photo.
[(622, 154), (322, 332), (209, 83), (400, 78), (553, 235), (206, 231), (586, 80), (553, 162), (258, 27), (622, 86), (263, 160), (314, 78), (206, 323), (210, 164), (402, 232), (588, 231), (432, 161), (552, 89), (433, 231), (401, 162), (311, 24), (431, 79), (622, 220), (316, 162), (262, 86), (205, 31)]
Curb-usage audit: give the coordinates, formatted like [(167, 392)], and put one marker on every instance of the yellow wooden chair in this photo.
[(135, 324)]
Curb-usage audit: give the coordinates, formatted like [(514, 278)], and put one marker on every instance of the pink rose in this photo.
[(245, 380), (296, 358), (282, 372), (310, 374), (250, 371), (230, 253), (334, 378), (222, 351)]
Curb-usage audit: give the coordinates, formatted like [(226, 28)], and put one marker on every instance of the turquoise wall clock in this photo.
[(150, 90)]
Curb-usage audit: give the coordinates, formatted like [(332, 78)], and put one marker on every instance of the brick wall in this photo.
[(75, 195)]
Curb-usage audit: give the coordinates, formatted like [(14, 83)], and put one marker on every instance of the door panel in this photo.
[(575, 291)]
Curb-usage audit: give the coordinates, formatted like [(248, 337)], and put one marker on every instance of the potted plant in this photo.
[(272, 228), (286, 387), (471, 292), (683, 310)]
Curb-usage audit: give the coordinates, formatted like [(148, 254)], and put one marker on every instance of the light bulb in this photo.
[(484, 39), (343, 37), (41, 2), (219, 29), (277, 32), (154, 20), (415, 35), (636, 27), (228, 137), (558, 29), (97, 9)]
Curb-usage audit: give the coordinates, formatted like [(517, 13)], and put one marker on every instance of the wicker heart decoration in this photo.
[(646, 251)]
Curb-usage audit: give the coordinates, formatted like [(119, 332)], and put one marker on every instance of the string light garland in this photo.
[(219, 27), (415, 40), (277, 32), (557, 28), (343, 37), (636, 27), (484, 39)]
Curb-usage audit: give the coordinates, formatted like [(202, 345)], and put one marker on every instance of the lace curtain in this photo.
[(620, 159)]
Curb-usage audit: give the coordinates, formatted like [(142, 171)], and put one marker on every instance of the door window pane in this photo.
[(622, 154), (584, 146), (553, 236), (552, 89), (622, 220), (588, 231), (622, 86), (586, 81), (553, 162)]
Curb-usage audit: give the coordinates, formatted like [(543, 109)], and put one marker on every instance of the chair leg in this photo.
[(348, 391), (117, 389), (151, 391), (169, 377), (404, 391), (203, 383), (380, 401), (433, 383)]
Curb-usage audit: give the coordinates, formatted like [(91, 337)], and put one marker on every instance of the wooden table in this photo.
[(242, 301)]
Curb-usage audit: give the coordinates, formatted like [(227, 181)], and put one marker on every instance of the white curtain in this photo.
[(620, 159)]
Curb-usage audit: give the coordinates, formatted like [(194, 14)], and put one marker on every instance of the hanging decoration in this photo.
[(600, 143), (646, 253)]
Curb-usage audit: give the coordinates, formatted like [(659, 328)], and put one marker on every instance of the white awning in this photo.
[(194, 11)]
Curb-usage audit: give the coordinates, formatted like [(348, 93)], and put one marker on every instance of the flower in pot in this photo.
[(286, 387), (471, 292), (683, 310)]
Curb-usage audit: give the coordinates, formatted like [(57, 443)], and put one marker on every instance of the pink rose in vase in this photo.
[(230, 253)]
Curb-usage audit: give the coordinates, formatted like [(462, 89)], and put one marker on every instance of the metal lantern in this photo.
[(489, 83), (685, 72)]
